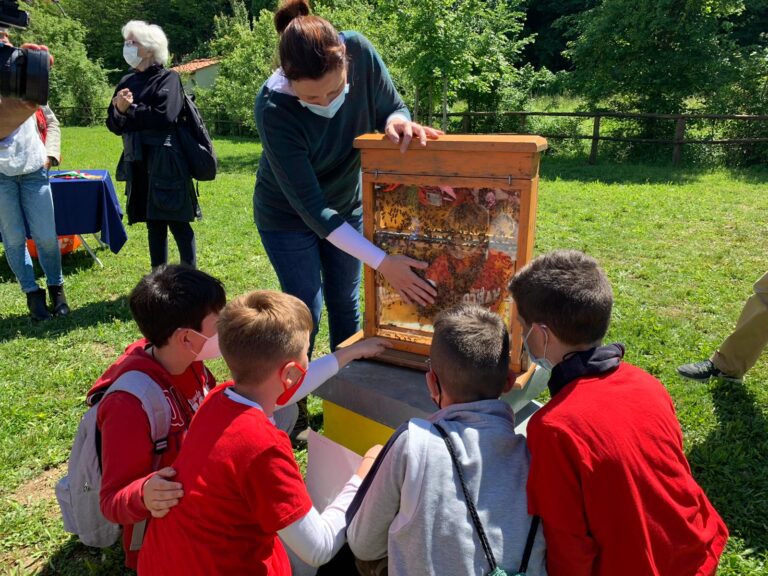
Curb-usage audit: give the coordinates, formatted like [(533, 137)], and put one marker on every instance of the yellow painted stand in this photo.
[(351, 429)]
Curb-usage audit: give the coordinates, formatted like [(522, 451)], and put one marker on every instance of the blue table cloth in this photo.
[(85, 206)]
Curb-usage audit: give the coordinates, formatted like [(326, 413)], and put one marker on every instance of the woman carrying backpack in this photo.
[(143, 111)]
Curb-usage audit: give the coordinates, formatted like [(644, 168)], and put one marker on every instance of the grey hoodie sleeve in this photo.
[(368, 532)]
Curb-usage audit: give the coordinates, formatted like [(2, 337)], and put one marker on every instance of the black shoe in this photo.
[(704, 370), (300, 432), (58, 300), (36, 305)]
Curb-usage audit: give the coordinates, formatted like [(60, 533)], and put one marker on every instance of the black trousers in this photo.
[(157, 234)]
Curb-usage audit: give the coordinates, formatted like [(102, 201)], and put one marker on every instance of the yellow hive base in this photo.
[(352, 430)]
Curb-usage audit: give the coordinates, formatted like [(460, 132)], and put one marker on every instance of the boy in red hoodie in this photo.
[(176, 309), (608, 474)]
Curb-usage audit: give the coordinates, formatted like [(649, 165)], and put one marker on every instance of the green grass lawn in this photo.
[(681, 248)]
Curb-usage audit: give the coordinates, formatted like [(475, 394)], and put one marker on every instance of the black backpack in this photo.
[(195, 142)]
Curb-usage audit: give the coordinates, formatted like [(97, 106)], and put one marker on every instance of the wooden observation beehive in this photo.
[(464, 204)]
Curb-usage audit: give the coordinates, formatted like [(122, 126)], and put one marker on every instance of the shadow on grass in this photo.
[(70, 264), (730, 464), (237, 154), (80, 317), (240, 164), (569, 168), (74, 559)]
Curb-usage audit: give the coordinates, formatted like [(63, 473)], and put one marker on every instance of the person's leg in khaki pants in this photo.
[(743, 347)]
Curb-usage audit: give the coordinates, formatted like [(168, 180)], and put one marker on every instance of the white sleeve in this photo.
[(396, 114), (355, 244), (316, 538), (318, 372)]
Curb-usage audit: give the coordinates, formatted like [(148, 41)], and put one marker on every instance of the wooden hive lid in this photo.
[(462, 142)]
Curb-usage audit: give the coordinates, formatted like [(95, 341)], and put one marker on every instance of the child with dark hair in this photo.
[(412, 508), (608, 473), (176, 309), (242, 485)]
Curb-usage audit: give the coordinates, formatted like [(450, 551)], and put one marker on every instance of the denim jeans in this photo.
[(312, 269), (29, 196)]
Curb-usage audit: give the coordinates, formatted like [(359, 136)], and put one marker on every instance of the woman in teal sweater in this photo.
[(331, 87)]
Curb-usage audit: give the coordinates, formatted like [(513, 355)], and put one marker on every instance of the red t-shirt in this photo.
[(241, 485), (126, 442), (611, 483)]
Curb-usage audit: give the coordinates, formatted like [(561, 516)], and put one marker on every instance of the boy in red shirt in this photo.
[(608, 474), (176, 309), (242, 486)]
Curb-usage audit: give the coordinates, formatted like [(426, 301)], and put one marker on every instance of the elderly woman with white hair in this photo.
[(144, 110)]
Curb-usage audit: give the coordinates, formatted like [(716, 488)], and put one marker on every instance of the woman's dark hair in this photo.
[(173, 297), (309, 45)]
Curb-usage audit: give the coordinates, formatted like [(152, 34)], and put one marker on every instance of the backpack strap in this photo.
[(468, 497), (42, 124), (529, 545), (153, 400)]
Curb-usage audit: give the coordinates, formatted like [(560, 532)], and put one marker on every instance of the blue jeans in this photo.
[(29, 196), (310, 269)]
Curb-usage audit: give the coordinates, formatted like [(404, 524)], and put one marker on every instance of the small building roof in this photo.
[(195, 65)]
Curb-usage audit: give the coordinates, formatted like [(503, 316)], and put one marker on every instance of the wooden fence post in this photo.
[(523, 123), (466, 124), (677, 151), (595, 140)]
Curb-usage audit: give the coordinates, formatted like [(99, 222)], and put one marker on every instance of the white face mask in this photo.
[(131, 56), (210, 349), (330, 110), (541, 361)]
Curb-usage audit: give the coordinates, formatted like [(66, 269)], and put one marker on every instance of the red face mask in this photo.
[(289, 391)]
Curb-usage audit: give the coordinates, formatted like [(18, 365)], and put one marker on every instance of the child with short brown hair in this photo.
[(242, 485)]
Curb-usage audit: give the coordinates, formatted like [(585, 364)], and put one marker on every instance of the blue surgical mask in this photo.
[(542, 362), (330, 110), (131, 55)]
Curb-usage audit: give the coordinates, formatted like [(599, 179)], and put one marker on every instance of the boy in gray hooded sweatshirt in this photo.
[(412, 507)]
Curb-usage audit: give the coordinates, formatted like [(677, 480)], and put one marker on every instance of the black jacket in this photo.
[(158, 184)]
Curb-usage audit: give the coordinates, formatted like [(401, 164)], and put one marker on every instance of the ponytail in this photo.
[(309, 45), (290, 10)]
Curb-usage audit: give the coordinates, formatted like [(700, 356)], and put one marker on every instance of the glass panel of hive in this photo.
[(467, 235)]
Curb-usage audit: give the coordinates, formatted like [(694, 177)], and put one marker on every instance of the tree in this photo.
[(652, 55), (75, 80), (548, 21), (104, 40), (247, 52), (750, 27), (457, 50), (189, 24)]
